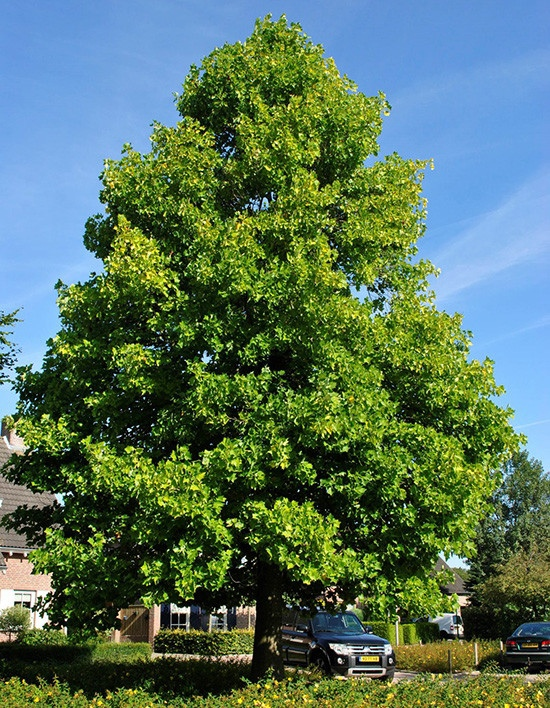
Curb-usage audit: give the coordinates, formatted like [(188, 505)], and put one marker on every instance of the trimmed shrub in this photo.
[(416, 633), (386, 630), (44, 653), (424, 632), (410, 634), (178, 641), (43, 637)]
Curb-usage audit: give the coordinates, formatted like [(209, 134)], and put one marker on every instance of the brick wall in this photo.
[(17, 578)]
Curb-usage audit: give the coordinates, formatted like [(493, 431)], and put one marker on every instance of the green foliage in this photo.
[(384, 629), (8, 350), (463, 573), (122, 653), (420, 632), (60, 652), (408, 633), (510, 575), (436, 691), (95, 674), (434, 657), (519, 589), (14, 620), (44, 637), (173, 641), (484, 623), (520, 508), (257, 390)]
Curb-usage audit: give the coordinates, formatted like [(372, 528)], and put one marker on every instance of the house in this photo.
[(18, 584), (456, 586), (140, 624)]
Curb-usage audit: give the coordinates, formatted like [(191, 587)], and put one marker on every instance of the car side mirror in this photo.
[(368, 629)]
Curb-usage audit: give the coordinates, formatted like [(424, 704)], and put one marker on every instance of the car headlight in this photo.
[(342, 649), (388, 649)]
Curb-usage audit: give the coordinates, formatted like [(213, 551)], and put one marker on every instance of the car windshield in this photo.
[(533, 629), (340, 623)]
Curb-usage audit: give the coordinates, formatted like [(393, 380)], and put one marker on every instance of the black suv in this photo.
[(336, 644)]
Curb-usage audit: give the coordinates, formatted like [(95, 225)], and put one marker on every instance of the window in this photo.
[(23, 599), (179, 617)]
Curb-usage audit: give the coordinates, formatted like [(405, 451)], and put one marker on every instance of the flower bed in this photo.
[(424, 691), (434, 657)]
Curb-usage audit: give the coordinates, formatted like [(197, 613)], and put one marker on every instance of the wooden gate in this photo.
[(134, 624)]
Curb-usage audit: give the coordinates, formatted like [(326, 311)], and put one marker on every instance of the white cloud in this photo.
[(541, 323), (485, 82), (533, 424), (514, 234)]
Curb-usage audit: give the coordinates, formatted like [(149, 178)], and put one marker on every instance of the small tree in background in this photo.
[(14, 620), (257, 399)]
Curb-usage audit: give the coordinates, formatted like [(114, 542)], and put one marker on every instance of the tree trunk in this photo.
[(268, 655)]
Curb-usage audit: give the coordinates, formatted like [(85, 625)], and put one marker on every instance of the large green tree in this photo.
[(519, 509), (257, 399), (510, 571)]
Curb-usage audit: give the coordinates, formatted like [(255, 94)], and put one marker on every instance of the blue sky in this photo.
[(468, 83)]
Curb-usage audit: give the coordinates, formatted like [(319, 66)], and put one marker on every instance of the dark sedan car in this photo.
[(529, 645)]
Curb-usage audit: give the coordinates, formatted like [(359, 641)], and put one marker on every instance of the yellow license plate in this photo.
[(369, 659), (529, 646)]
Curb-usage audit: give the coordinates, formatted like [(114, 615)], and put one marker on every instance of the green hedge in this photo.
[(51, 647), (408, 633), (421, 632), (44, 637), (177, 641), (386, 630), (481, 623), (13, 651)]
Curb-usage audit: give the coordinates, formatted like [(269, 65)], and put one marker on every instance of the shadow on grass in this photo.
[(166, 677)]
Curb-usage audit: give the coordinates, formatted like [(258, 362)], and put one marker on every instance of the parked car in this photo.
[(450, 625), (337, 644), (529, 645)]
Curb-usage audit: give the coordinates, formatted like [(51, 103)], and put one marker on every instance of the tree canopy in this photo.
[(257, 399), (519, 509), (510, 571)]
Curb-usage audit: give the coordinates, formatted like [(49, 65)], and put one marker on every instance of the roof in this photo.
[(456, 586), (13, 495)]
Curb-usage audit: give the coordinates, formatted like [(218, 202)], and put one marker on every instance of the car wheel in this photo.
[(320, 664)]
